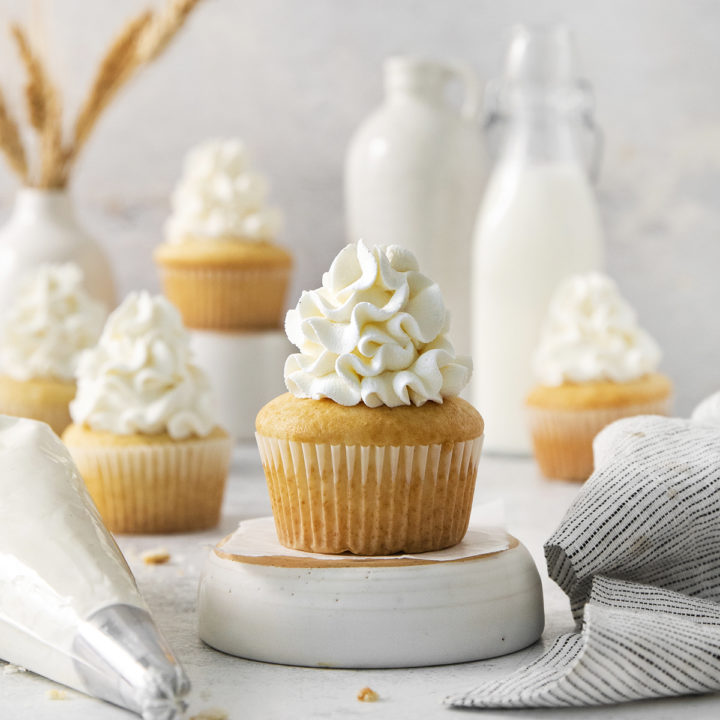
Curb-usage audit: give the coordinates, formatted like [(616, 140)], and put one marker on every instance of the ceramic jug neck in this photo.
[(32, 203), (417, 78)]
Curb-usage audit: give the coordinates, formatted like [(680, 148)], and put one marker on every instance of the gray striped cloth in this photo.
[(638, 555)]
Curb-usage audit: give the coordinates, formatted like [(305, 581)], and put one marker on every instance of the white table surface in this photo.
[(247, 690)]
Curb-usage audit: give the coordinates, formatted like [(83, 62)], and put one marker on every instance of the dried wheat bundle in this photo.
[(142, 40)]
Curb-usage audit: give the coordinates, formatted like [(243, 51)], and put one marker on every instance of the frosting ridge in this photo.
[(375, 332), (591, 333), (140, 377), (220, 195), (51, 321)]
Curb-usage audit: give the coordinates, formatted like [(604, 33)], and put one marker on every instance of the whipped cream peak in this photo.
[(221, 196), (140, 378), (50, 322), (591, 334), (375, 332)]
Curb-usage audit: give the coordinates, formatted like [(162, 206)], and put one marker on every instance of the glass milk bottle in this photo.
[(414, 174), (538, 222)]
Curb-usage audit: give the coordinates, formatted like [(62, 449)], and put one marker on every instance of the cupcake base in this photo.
[(38, 399), (152, 484), (370, 500), (563, 439)]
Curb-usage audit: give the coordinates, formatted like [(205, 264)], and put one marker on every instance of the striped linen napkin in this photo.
[(638, 554)]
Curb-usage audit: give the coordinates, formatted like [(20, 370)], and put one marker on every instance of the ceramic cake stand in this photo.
[(246, 370), (262, 601)]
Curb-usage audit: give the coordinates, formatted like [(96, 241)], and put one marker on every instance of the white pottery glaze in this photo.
[(245, 370), (371, 612), (414, 176), (43, 228)]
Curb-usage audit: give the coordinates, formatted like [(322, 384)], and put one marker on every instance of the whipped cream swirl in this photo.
[(591, 333), (140, 378), (51, 321), (221, 196), (373, 333), (708, 411)]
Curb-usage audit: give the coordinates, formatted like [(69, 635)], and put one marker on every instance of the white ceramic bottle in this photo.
[(43, 228), (414, 174), (538, 223)]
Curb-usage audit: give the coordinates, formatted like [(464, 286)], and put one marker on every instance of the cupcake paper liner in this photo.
[(370, 500), (227, 298), (562, 439), (169, 487)]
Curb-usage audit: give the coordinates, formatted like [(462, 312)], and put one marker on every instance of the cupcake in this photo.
[(371, 451), (595, 365), (220, 265), (51, 321), (143, 433), (708, 411)]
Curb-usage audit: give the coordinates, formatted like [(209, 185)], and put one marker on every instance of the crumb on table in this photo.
[(368, 695), (11, 669), (55, 694), (212, 714), (158, 556)]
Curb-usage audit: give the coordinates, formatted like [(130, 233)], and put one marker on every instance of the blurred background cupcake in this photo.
[(595, 365), (51, 320), (220, 265), (144, 437), (371, 451)]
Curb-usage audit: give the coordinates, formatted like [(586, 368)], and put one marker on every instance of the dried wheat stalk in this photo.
[(140, 42), (115, 69), (45, 113), (10, 143)]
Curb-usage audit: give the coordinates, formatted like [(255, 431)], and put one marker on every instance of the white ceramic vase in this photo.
[(43, 228), (414, 175)]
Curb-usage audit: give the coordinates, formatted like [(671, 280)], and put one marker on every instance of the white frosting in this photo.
[(373, 333), (50, 322), (708, 411), (220, 195), (591, 333), (140, 377)]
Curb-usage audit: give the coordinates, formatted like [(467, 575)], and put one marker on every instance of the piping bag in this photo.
[(69, 606)]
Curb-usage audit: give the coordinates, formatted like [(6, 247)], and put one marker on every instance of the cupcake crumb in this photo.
[(56, 694), (158, 556), (368, 695), (211, 714)]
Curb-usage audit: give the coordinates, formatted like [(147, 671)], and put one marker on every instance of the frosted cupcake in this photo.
[(220, 264), (143, 435), (51, 321), (595, 365), (708, 411), (371, 451)]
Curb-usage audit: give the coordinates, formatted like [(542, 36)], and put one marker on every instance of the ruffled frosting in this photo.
[(708, 411), (50, 322), (373, 333), (140, 377), (220, 195), (591, 333)]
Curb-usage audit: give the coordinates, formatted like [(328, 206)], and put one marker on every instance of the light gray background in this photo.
[(294, 78)]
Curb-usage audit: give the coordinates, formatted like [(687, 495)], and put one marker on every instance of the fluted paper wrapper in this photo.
[(164, 488), (370, 500), (227, 298), (69, 606), (563, 439)]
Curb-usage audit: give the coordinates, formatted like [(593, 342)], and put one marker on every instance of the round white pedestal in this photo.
[(262, 601), (246, 371)]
